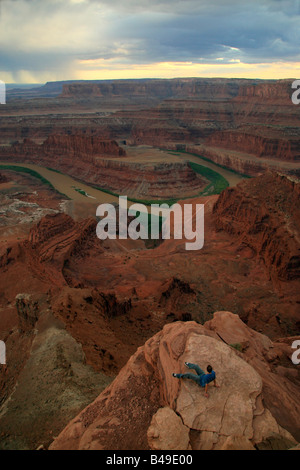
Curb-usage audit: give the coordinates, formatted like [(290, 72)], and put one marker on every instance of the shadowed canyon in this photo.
[(94, 329)]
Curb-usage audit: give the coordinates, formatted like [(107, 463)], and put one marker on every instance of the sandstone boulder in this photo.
[(280, 394), (147, 408), (167, 431)]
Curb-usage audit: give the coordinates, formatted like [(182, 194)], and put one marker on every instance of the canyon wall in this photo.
[(77, 145), (244, 119), (243, 163), (89, 159), (162, 89), (250, 141), (264, 214)]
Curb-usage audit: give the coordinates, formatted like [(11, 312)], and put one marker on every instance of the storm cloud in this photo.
[(52, 36)]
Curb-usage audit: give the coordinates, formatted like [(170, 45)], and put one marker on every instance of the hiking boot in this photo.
[(187, 364), (174, 375)]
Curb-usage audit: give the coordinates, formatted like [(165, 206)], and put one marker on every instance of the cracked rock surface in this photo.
[(147, 408)]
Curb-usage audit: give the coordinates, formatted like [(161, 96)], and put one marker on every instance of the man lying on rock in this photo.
[(201, 378)]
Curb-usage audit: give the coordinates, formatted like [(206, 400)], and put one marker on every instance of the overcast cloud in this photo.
[(53, 36)]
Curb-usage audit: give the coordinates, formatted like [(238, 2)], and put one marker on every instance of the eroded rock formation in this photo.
[(135, 412), (264, 214), (89, 159), (28, 311), (246, 125), (72, 145), (112, 296)]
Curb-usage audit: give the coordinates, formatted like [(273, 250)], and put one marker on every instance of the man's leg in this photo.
[(195, 367), (188, 376)]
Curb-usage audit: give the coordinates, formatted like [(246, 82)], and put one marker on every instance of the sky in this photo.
[(49, 40)]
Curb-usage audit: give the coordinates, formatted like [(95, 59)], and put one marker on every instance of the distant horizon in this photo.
[(12, 84)]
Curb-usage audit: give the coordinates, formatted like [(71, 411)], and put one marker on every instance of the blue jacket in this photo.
[(207, 378)]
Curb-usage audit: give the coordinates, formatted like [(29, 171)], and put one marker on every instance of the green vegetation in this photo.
[(80, 191), (217, 182), (183, 152), (237, 346), (146, 202), (171, 152), (35, 174), (55, 171), (23, 169)]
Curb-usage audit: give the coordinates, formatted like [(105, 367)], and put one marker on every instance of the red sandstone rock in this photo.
[(275, 146), (77, 275), (280, 394), (186, 87), (3, 178), (227, 119), (78, 145), (264, 214), (127, 414), (57, 237), (243, 163), (175, 436), (84, 158)]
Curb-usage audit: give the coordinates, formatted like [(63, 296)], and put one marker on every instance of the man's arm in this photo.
[(205, 393), (215, 384)]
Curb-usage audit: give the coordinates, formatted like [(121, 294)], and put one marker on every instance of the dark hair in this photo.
[(209, 369)]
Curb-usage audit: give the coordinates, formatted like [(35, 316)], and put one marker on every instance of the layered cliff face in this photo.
[(284, 147), (90, 159), (264, 215), (182, 120), (231, 120), (158, 89), (265, 123), (270, 90), (160, 180), (256, 120), (244, 163), (57, 237), (147, 408), (76, 145)]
